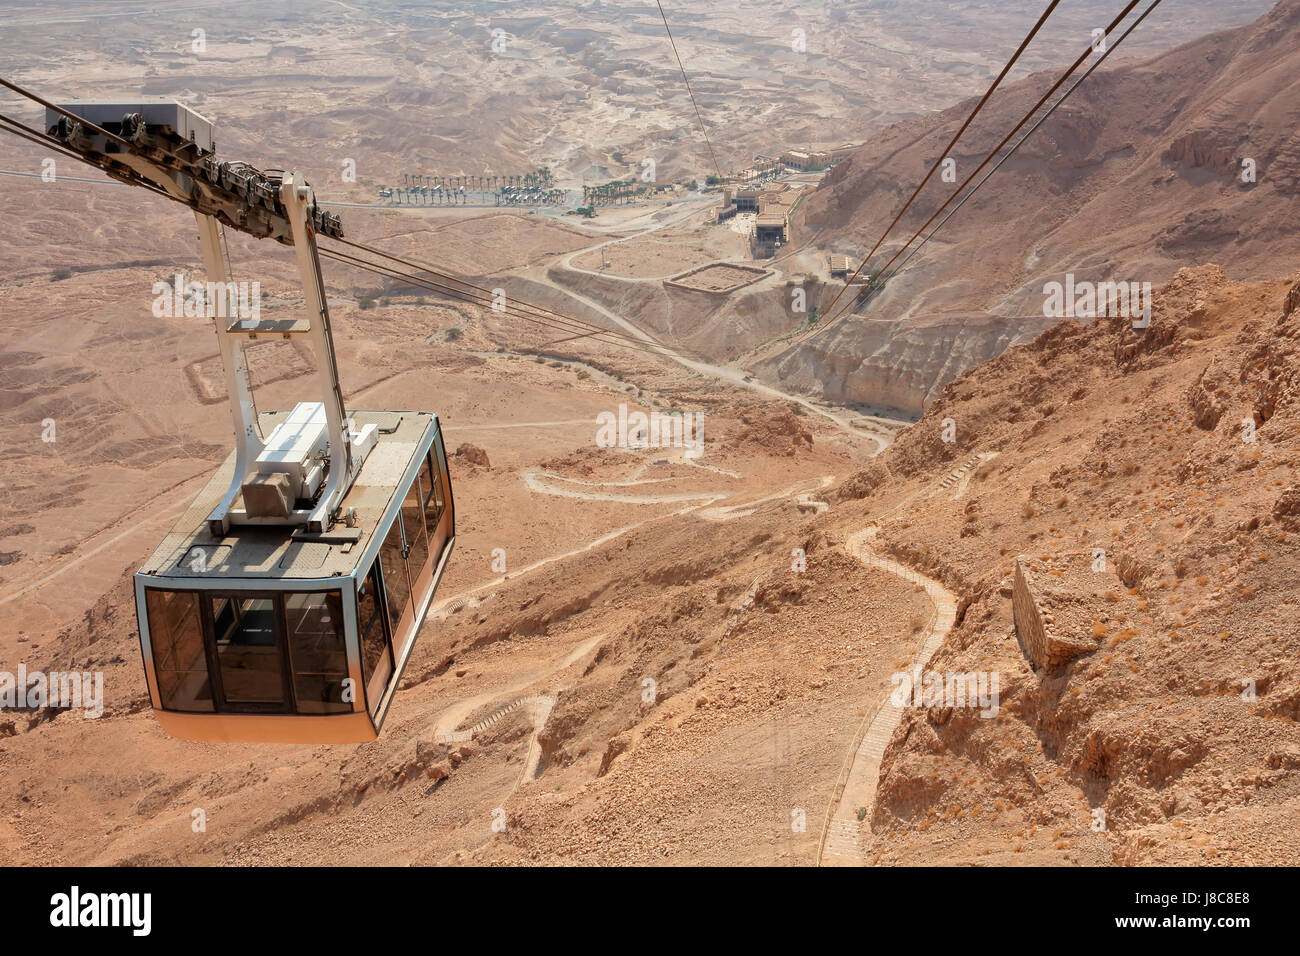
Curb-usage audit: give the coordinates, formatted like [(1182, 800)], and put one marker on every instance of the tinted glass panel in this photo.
[(417, 543), (247, 650), (179, 662), (376, 661), (316, 648), (395, 582), (433, 494)]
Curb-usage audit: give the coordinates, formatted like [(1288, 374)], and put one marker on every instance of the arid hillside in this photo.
[(1191, 156), (682, 660), (1150, 480)]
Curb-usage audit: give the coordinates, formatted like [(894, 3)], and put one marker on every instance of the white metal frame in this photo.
[(249, 441), (346, 450)]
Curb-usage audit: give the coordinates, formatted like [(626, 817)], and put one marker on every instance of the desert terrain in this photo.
[(1188, 157), (690, 660), (588, 89)]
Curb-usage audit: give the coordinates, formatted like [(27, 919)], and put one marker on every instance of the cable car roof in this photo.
[(284, 552)]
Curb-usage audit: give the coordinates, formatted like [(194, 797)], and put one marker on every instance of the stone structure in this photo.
[(1034, 626), (746, 200), (717, 278)]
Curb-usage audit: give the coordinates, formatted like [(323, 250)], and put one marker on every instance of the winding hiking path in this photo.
[(538, 706), (729, 375), (840, 843), (722, 373)]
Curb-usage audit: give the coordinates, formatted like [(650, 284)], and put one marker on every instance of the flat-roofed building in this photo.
[(805, 159), (840, 267), (746, 200), (769, 233)]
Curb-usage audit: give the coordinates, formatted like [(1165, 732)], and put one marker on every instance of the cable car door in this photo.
[(373, 632), (247, 653)]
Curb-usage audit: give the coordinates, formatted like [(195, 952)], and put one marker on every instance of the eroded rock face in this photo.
[(887, 365), (863, 483), (1162, 533), (1199, 149), (473, 455), (1292, 301), (1197, 229), (1287, 509), (776, 431)]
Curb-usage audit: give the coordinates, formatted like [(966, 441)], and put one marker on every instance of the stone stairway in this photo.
[(951, 479), (841, 843), (460, 736)]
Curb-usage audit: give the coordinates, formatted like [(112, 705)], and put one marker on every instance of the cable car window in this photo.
[(434, 501), (440, 474), (396, 584), (376, 661), (317, 650), (417, 545), (248, 651), (179, 660), (427, 483)]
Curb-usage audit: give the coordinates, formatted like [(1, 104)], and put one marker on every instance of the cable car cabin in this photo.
[(274, 633)]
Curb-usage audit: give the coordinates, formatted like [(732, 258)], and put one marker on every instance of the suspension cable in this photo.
[(700, 119), (43, 139), (997, 149), (989, 175), (26, 132), (576, 328), (62, 112), (952, 143)]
